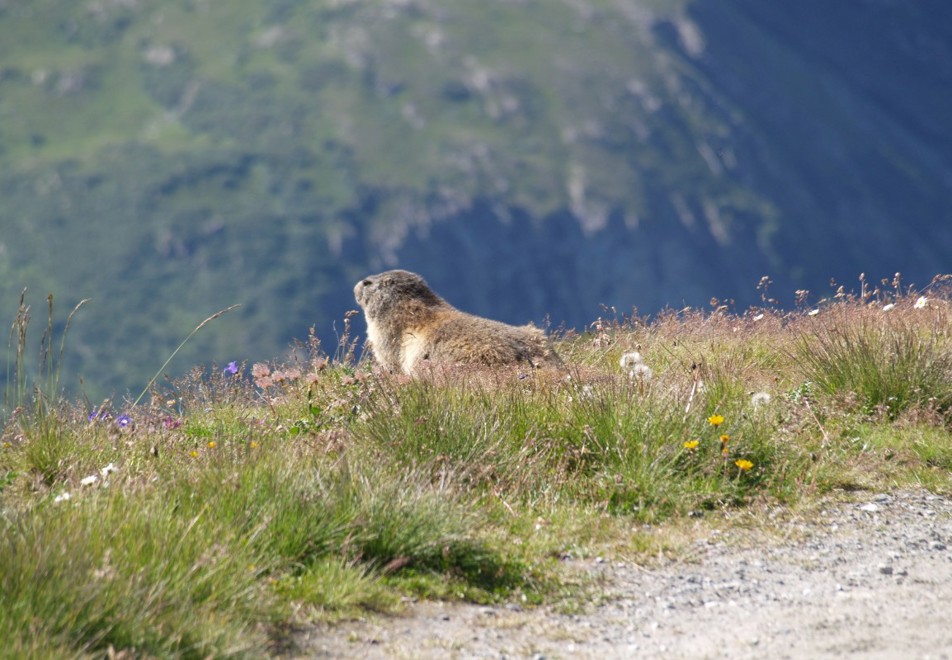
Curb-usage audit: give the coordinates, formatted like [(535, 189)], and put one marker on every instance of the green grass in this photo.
[(236, 507), (888, 366)]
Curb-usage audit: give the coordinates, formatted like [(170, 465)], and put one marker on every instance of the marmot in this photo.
[(408, 323)]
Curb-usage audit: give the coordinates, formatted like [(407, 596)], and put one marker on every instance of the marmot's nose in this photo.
[(366, 282)]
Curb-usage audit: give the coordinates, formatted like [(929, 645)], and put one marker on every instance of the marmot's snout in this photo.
[(360, 288)]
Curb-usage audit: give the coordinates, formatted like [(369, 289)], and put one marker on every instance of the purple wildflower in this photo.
[(98, 414), (123, 421), (232, 368)]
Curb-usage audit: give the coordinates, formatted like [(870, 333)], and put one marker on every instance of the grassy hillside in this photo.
[(166, 160), (236, 504)]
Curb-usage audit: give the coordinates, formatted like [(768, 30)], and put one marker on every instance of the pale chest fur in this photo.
[(374, 337), (412, 350), (384, 350)]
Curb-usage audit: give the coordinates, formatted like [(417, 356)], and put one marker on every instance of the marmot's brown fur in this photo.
[(408, 323)]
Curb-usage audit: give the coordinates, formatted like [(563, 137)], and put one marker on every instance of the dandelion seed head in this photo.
[(640, 371), (759, 399), (630, 359)]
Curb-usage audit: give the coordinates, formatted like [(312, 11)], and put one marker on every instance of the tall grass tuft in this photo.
[(34, 388), (91, 577), (887, 367)]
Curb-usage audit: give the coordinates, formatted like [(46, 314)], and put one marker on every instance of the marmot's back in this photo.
[(408, 323), (466, 338)]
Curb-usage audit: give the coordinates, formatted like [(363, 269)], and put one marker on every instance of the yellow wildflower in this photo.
[(715, 420), (743, 464), (193, 454), (212, 444), (691, 444), (253, 444), (725, 439)]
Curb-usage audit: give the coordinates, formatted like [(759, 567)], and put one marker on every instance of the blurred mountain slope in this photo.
[(530, 158)]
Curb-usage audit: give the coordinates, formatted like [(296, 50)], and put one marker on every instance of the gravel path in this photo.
[(871, 579)]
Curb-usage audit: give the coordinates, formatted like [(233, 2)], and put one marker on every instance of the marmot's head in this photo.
[(392, 290)]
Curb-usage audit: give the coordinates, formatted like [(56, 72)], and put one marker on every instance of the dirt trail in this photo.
[(871, 579)]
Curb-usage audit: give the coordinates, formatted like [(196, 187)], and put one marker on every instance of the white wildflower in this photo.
[(89, 481), (889, 306), (759, 317), (630, 359), (813, 312), (759, 399), (62, 497), (921, 302), (587, 393), (109, 469), (640, 371)]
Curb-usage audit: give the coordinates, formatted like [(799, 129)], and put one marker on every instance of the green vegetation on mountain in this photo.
[(166, 160)]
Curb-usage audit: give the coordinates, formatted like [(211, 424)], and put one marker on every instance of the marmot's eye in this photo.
[(367, 282)]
